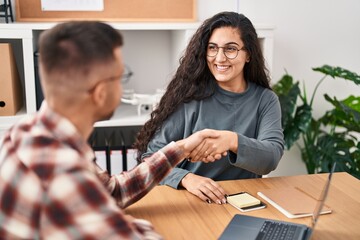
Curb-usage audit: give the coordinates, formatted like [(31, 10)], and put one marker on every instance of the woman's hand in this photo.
[(196, 140), (205, 188), (212, 149)]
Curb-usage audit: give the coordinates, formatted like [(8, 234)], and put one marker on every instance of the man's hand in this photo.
[(212, 149), (205, 188), (190, 143)]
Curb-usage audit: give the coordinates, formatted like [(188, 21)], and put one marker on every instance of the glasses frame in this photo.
[(224, 52), (109, 79), (124, 78)]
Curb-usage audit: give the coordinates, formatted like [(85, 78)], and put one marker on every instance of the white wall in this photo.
[(208, 8)]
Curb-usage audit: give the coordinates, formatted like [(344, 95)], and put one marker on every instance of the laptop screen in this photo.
[(322, 198)]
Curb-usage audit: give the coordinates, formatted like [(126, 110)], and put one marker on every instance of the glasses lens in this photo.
[(127, 75), (231, 52), (212, 50)]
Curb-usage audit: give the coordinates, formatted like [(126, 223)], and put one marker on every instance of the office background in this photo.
[(306, 34)]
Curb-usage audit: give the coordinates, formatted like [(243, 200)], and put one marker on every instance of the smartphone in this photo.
[(245, 202)]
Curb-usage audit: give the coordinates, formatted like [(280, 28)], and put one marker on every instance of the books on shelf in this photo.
[(292, 202)]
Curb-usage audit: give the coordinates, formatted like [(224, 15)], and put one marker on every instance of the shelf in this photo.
[(117, 25), (125, 115), (7, 121)]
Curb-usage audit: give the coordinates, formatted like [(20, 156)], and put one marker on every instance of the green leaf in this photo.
[(283, 86), (352, 102), (291, 135), (310, 156), (346, 113), (303, 117), (339, 72), (288, 92), (339, 148), (299, 124)]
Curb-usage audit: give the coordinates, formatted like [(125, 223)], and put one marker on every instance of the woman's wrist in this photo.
[(184, 179), (233, 141)]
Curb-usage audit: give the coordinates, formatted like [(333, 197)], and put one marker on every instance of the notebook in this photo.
[(248, 227), (296, 204), (242, 200)]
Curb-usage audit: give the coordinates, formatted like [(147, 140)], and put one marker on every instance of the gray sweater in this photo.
[(255, 115)]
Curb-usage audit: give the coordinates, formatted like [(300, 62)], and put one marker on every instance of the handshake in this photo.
[(208, 145)]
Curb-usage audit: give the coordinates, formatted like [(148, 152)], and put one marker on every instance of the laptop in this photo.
[(248, 227)]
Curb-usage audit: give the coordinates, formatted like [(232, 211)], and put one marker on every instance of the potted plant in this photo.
[(334, 137)]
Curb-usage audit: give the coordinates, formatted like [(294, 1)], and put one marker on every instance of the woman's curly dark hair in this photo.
[(193, 79)]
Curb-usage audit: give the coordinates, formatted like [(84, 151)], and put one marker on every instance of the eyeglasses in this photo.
[(229, 51), (127, 74), (124, 78), (109, 79)]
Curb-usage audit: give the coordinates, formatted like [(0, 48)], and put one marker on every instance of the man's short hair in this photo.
[(77, 45)]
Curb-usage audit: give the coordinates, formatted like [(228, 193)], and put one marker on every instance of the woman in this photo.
[(221, 84)]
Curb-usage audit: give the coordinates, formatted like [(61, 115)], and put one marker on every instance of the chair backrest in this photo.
[(7, 10)]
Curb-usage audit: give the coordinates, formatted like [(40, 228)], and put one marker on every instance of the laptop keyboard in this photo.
[(276, 231)]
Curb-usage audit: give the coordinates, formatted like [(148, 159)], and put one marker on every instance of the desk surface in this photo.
[(177, 214)]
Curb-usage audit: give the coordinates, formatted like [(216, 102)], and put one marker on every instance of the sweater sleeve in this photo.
[(262, 155), (173, 129)]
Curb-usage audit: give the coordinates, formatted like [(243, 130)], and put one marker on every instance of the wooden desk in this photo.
[(177, 214)]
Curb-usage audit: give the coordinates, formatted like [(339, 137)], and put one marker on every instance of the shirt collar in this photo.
[(64, 130)]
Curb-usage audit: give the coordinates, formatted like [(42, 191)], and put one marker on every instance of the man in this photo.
[(49, 185)]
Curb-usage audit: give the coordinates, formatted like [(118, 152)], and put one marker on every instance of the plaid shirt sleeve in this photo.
[(79, 207), (128, 187), (84, 209), (72, 204), (48, 190)]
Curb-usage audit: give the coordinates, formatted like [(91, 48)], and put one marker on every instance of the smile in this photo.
[(222, 67)]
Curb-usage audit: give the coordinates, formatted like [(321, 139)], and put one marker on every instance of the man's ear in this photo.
[(99, 95)]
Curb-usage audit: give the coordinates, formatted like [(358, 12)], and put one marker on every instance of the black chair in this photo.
[(6, 9)]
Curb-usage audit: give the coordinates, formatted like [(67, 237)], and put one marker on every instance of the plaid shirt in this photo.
[(50, 187)]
